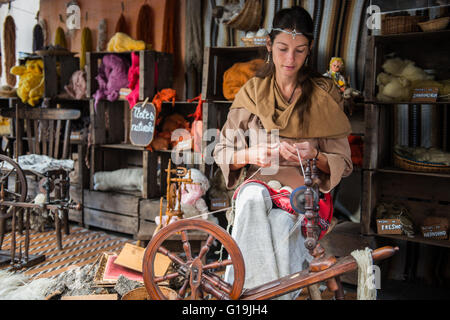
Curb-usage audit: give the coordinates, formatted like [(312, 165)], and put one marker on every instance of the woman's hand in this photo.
[(289, 151), (306, 150), (262, 155)]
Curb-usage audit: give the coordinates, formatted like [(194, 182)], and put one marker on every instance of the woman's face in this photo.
[(288, 53)]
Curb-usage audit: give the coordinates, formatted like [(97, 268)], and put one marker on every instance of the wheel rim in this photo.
[(192, 264), (21, 193)]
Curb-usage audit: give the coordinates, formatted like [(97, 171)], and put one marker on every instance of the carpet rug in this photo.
[(80, 247)]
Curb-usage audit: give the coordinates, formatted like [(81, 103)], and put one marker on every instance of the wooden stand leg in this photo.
[(13, 237), (58, 230), (314, 292), (2, 230), (66, 222), (20, 222)]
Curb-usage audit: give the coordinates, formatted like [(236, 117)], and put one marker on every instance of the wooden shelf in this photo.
[(400, 171), (406, 102), (418, 239), (412, 36)]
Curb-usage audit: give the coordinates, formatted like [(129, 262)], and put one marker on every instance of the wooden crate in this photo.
[(107, 121), (58, 77), (111, 211), (423, 194), (155, 71), (76, 194), (217, 60), (112, 157)]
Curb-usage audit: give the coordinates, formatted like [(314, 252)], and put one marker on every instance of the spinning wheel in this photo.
[(199, 279), (9, 191)]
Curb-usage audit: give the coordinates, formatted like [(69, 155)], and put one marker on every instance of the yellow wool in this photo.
[(31, 83), (121, 42)]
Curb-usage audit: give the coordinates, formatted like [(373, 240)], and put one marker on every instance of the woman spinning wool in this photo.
[(286, 114)]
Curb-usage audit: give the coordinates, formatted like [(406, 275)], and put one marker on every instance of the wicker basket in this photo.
[(418, 166), (254, 42), (435, 24), (142, 294), (400, 24), (249, 19)]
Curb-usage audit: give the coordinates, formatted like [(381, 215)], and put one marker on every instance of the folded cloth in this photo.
[(40, 163), (282, 200)]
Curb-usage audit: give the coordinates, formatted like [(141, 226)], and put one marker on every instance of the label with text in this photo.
[(142, 129), (389, 226)]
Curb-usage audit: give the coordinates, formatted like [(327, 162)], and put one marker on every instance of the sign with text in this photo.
[(389, 226), (425, 95), (142, 129), (438, 232)]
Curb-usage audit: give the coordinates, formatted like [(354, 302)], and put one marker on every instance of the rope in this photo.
[(366, 288)]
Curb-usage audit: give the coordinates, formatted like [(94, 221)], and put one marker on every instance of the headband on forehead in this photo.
[(294, 33)]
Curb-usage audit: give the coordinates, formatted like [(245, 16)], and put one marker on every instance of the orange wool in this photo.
[(235, 77)]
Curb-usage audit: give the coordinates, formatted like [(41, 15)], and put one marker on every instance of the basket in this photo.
[(435, 24), (142, 294), (419, 166), (249, 19), (400, 24), (254, 42)]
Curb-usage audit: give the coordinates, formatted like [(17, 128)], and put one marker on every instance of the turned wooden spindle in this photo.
[(321, 261)]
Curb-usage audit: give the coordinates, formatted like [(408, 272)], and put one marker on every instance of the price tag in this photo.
[(142, 129), (425, 95), (389, 226)]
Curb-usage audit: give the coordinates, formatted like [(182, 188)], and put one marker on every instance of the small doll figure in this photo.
[(335, 73)]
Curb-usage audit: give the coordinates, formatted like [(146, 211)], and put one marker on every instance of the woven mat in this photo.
[(80, 247)]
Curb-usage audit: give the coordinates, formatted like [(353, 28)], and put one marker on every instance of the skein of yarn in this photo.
[(38, 38), (60, 38), (86, 45), (9, 36), (102, 35), (143, 26), (121, 25)]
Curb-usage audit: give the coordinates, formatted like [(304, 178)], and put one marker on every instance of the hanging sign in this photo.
[(142, 129)]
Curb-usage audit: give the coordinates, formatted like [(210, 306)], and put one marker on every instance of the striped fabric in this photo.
[(340, 29), (80, 248)]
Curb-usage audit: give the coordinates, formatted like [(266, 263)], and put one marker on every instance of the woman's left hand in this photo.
[(306, 150), (289, 151)]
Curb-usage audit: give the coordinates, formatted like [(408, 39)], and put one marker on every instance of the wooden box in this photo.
[(155, 71), (111, 211), (217, 60), (425, 195), (111, 157), (58, 69)]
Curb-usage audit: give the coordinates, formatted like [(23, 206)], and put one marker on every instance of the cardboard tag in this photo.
[(132, 257), (142, 129), (425, 95), (389, 226), (438, 232)]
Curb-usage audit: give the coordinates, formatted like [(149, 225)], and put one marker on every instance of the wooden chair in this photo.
[(44, 131)]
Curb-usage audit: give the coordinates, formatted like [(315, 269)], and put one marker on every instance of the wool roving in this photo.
[(9, 36), (86, 45)]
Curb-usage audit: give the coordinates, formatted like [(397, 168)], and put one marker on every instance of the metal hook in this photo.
[(86, 16), (123, 7)]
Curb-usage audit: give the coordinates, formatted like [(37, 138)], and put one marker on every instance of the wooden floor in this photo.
[(80, 247)]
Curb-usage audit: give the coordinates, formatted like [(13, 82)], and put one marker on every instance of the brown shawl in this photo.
[(325, 119)]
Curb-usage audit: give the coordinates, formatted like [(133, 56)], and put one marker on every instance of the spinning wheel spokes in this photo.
[(198, 279), (16, 191)]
